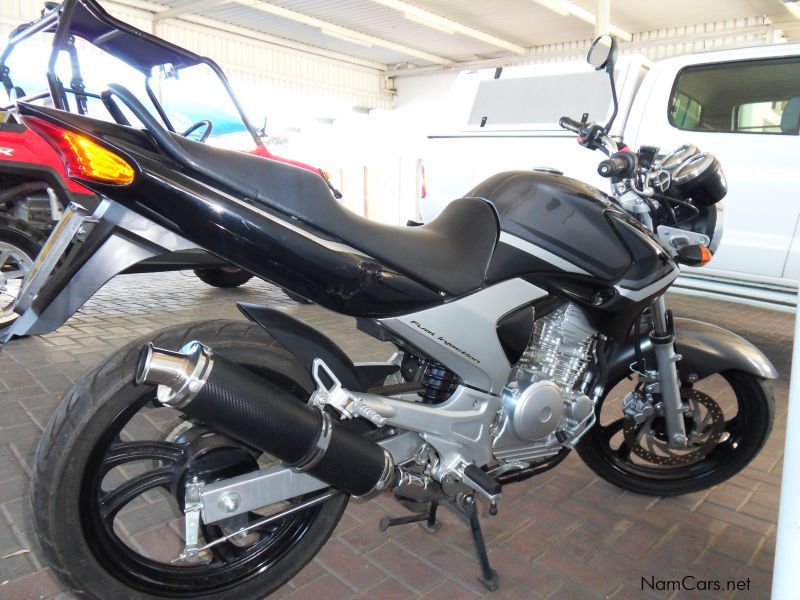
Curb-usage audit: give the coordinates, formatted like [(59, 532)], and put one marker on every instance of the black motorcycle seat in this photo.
[(450, 254)]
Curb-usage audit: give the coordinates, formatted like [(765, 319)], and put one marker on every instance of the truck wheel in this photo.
[(19, 246), (223, 277)]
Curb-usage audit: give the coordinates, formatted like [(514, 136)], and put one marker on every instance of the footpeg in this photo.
[(487, 485)]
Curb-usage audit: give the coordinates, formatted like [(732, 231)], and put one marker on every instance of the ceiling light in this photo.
[(353, 39), (555, 6), (443, 24), (429, 22), (794, 8)]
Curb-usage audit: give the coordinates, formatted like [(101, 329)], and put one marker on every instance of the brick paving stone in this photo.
[(525, 573), (327, 587), (348, 566), (577, 571), (450, 590), (387, 589), (35, 586), (765, 555), (564, 534), (413, 572), (738, 544), (418, 541)]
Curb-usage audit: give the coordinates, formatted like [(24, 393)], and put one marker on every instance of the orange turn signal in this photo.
[(705, 254), (83, 157), (92, 161)]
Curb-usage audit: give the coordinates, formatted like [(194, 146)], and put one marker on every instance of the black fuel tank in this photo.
[(577, 243), (562, 216)]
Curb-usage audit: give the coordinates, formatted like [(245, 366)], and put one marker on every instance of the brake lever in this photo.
[(591, 137)]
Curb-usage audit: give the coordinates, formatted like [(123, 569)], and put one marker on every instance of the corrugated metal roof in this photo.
[(522, 22)]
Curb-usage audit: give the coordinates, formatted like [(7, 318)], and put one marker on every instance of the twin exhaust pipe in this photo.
[(253, 410)]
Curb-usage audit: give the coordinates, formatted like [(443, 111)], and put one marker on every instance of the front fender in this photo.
[(705, 349)]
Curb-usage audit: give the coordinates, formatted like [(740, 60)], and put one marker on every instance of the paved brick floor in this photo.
[(565, 534)]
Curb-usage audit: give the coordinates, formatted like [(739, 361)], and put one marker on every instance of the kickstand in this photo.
[(426, 519), (431, 525), (467, 509)]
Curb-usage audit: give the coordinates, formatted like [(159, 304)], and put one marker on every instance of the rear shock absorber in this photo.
[(439, 383)]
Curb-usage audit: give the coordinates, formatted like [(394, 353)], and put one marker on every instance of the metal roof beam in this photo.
[(350, 35), (434, 21), (190, 8), (252, 34)]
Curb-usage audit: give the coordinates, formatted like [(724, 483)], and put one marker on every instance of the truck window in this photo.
[(753, 96), (760, 117), (685, 111)]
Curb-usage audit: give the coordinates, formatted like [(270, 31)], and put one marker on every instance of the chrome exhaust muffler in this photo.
[(228, 397)]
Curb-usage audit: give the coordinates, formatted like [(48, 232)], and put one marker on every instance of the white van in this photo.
[(742, 105)]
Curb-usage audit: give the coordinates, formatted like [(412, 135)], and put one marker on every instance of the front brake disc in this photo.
[(649, 443)]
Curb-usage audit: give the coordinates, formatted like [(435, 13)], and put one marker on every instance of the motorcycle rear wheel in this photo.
[(20, 244), (100, 557), (748, 416)]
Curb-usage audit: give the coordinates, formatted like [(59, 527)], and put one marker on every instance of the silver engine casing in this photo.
[(544, 404)]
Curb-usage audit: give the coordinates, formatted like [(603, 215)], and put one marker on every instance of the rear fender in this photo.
[(120, 239), (705, 350), (307, 344)]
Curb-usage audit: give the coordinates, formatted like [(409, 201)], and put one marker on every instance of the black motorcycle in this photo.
[(519, 317)]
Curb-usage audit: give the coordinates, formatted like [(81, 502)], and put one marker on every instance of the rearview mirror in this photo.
[(603, 53)]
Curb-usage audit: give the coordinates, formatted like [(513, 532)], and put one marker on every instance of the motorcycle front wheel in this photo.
[(111, 471), (728, 421)]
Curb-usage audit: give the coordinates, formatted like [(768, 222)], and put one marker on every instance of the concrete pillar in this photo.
[(787, 551), (602, 23)]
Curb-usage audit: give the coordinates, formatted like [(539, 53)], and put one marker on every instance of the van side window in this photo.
[(753, 96)]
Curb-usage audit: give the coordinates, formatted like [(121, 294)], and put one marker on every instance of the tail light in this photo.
[(83, 157)]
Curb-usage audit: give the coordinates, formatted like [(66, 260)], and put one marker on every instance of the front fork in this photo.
[(662, 337)]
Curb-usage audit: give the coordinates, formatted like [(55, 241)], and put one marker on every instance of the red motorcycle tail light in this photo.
[(83, 157)]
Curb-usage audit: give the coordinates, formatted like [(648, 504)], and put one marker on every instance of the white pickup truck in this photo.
[(742, 105)]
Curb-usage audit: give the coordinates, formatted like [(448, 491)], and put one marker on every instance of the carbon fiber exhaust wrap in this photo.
[(242, 405)]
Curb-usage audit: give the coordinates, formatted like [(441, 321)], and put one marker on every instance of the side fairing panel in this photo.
[(462, 334)]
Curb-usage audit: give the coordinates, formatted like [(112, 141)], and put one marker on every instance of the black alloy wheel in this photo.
[(112, 470), (729, 421)]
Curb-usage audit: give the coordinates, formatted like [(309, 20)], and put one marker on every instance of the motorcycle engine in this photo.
[(544, 403)]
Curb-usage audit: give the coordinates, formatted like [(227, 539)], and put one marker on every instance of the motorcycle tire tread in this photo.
[(33, 236), (83, 401)]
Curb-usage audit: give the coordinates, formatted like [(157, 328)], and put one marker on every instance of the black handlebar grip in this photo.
[(570, 124), (617, 165)]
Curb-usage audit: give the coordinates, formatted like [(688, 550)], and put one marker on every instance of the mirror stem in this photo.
[(613, 98)]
